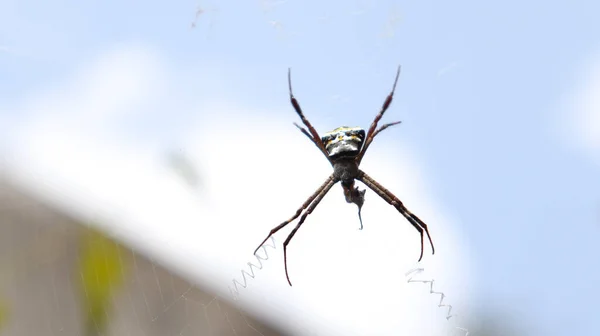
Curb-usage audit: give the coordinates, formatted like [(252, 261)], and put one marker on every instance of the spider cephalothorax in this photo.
[(344, 148)]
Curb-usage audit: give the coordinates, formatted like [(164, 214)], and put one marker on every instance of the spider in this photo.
[(344, 148)]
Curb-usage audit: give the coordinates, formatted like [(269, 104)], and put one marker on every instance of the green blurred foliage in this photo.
[(101, 272), (3, 314)]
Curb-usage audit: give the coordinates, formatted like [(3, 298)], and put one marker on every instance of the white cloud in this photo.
[(582, 111), (258, 170), (99, 94)]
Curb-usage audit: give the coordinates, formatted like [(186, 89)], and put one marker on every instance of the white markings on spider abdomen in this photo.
[(343, 141)]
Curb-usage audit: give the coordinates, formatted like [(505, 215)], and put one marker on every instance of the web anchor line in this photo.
[(235, 290), (449, 315)]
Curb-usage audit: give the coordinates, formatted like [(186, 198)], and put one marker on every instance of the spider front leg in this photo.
[(308, 211), (418, 224), (312, 197), (371, 132), (311, 203)]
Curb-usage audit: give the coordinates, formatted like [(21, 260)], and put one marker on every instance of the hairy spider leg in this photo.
[(312, 197), (383, 127), (395, 201), (308, 211), (370, 133), (313, 132), (305, 132)]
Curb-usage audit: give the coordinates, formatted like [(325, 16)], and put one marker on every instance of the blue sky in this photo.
[(486, 95)]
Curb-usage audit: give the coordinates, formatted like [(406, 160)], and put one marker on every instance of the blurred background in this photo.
[(146, 148)]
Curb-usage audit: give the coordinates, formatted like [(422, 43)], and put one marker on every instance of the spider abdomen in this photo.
[(343, 142)]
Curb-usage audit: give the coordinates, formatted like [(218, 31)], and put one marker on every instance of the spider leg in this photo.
[(395, 201), (383, 127), (308, 211), (305, 132), (313, 132), (327, 184), (371, 132)]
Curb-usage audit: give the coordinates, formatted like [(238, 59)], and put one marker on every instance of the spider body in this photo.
[(345, 170), (344, 148), (343, 142)]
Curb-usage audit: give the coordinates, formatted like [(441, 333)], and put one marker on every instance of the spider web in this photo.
[(43, 251), (45, 262), (56, 286)]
